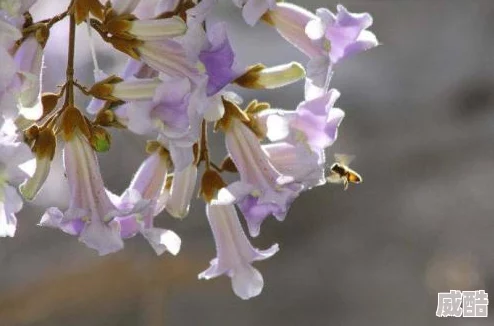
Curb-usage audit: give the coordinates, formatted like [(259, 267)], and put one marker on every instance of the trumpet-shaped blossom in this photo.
[(174, 112), (290, 21), (234, 252), (298, 161), (166, 112), (262, 190), (147, 189), (90, 209), (325, 37), (340, 35), (315, 122)]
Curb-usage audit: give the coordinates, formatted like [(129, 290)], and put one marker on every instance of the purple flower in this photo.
[(262, 190), (216, 59), (290, 21), (299, 162), (339, 36), (234, 252), (315, 122), (325, 38), (147, 190), (90, 209), (167, 112), (172, 108), (342, 34)]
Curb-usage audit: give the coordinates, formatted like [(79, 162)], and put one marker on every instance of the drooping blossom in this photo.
[(234, 252), (325, 37), (173, 111), (91, 211), (314, 123), (261, 190), (148, 189), (298, 161)]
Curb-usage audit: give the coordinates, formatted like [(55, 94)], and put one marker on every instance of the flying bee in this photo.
[(339, 172)]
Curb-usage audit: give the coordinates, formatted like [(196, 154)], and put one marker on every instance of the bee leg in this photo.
[(345, 184)]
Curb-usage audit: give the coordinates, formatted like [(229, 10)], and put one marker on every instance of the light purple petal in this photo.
[(218, 59)]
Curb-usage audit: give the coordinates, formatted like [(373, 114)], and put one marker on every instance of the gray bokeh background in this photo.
[(420, 118)]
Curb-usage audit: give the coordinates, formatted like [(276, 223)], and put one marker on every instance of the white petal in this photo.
[(215, 110), (52, 218), (103, 238), (11, 203), (163, 240), (247, 282), (315, 29)]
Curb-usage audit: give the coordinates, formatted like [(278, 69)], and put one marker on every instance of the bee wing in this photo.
[(344, 158), (334, 178)]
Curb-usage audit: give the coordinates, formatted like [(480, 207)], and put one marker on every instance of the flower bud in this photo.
[(44, 150), (181, 192), (260, 77), (100, 139)]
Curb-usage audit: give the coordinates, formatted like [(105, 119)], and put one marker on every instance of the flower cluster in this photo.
[(176, 84)]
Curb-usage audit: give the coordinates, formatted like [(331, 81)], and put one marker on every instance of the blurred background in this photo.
[(420, 119)]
